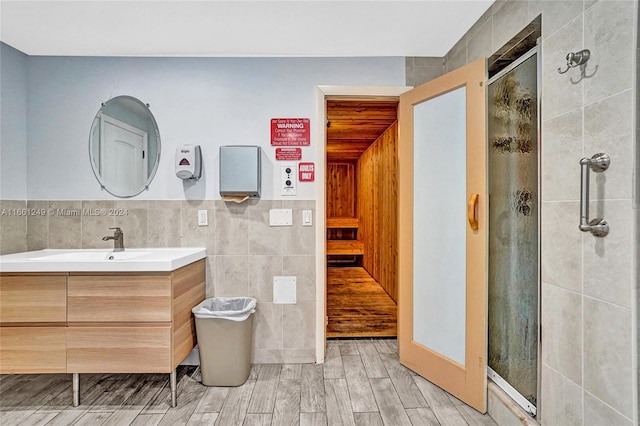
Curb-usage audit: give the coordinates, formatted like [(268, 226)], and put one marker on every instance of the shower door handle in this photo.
[(472, 206), (598, 163)]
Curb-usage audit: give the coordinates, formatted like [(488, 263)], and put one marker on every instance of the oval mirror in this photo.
[(124, 146)]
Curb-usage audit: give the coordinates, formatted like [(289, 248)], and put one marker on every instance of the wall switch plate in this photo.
[(284, 290), (288, 179), (280, 217), (203, 219), (307, 218)]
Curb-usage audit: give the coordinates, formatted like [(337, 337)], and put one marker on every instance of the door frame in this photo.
[(322, 93)]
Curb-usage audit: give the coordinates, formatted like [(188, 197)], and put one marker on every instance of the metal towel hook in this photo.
[(576, 59), (598, 163)]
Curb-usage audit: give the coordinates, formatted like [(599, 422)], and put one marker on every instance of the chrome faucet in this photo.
[(118, 239)]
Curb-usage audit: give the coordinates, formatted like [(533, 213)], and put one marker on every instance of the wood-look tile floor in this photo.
[(361, 383), (357, 306)]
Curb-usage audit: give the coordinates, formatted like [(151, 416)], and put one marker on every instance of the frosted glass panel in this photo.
[(513, 228), (439, 224)]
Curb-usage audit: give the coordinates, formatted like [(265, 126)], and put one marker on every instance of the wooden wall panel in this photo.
[(377, 199), (341, 190)]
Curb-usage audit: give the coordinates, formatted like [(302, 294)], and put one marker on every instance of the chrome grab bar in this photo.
[(598, 163)]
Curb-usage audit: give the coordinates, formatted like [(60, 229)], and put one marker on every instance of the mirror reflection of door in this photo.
[(122, 155)]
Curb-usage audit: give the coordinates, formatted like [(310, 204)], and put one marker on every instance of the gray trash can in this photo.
[(224, 331)]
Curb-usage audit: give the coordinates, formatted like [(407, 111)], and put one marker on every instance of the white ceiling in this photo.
[(237, 28)]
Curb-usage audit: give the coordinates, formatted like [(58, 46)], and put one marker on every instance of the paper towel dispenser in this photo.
[(240, 171)]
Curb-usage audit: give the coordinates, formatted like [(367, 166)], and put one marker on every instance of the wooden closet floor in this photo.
[(357, 306)]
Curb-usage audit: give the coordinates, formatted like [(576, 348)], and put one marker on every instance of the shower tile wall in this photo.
[(588, 289), (243, 253)]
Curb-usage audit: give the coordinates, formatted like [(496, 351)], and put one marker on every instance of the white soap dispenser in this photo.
[(188, 162)]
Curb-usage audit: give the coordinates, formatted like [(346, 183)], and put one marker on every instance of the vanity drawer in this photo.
[(33, 298), (95, 348), (119, 298), (27, 350)]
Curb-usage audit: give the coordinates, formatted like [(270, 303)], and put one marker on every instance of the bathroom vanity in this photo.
[(94, 311)]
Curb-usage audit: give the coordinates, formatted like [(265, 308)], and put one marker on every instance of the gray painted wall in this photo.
[(206, 101), (13, 123)]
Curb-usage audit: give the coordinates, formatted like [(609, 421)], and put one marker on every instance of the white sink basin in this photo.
[(83, 255), (96, 260)]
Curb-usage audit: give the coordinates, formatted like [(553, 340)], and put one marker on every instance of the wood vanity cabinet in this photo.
[(98, 322), (33, 319)]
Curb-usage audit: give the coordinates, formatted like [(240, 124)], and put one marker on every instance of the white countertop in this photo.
[(101, 260)]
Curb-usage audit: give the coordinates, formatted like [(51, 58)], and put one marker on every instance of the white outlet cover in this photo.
[(280, 217), (203, 220), (284, 289)]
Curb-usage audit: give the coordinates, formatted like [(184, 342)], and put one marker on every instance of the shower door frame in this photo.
[(534, 410)]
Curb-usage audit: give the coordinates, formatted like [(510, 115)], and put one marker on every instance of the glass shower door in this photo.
[(513, 231)]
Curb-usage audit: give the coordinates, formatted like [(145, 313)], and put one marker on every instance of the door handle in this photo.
[(471, 211), (598, 163)]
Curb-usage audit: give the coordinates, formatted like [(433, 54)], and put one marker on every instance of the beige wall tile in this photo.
[(596, 413), (134, 226), (298, 356), (299, 325), (194, 235), (561, 147), (560, 95), (263, 238), (456, 58), (13, 226), (562, 339), (608, 128), (232, 229), (267, 325), (164, 224), (479, 45), (298, 239), (38, 226), (607, 354), (304, 269), (608, 261), (408, 71), (561, 399), (262, 269), (266, 356), (609, 35), (562, 245), (65, 224), (555, 13), (258, 204), (423, 74), (97, 218), (509, 18), (231, 276), (210, 274)]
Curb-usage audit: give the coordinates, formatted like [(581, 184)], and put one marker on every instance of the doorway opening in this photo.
[(361, 217)]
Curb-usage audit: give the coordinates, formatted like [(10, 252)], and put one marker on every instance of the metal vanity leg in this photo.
[(76, 389), (172, 378)]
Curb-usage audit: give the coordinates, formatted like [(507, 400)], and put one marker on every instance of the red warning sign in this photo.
[(290, 132), (288, 154), (306, 172)]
